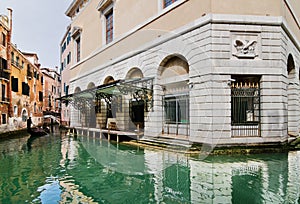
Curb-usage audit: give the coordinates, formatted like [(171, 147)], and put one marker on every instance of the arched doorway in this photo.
[(292, 97), (174, 78), (103, 108), (110, 112), (136, 107), (91, 111), (76, 112)]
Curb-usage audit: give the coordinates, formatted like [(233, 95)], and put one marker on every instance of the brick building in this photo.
[(4, 71)]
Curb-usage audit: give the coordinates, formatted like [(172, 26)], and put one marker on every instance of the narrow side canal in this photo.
[(58, 168)]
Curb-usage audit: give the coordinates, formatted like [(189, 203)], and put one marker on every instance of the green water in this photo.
[(61, 169)]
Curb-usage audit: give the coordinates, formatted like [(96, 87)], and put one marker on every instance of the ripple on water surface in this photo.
[(88, 170)]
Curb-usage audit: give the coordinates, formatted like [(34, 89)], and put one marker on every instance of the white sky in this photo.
[(38, 27)]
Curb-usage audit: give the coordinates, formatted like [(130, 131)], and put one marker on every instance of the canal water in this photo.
[(62, 169)]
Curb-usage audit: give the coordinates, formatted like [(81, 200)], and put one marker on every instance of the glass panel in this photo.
[(183, 116), (170, 110), (109, 27), (168, 2), (177, 109)]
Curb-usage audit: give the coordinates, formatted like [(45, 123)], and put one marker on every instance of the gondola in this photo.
[(37, 132)]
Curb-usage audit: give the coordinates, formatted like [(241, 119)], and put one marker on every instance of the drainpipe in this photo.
[(10, 110)]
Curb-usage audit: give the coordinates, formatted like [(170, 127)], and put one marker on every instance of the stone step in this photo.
[(165, 142)]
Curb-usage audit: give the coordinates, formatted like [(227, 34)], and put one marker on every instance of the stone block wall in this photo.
[(217, 50)]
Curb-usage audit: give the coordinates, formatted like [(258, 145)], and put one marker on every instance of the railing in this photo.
[(17, 64), (56, 114), (4, 100), (245, 130), (245, 109), (4, 75)]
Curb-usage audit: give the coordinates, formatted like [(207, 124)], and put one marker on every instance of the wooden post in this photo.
[(117, 138), (108, 135)]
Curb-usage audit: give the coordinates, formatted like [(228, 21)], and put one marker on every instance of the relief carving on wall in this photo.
[(245, 46)]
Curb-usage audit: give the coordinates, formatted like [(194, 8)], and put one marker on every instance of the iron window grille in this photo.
[(245, 108)]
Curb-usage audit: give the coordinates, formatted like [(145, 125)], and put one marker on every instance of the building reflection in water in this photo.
[(216, 179), (89, 170), (70, 192)]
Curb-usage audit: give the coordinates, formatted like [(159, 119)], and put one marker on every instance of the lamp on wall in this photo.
[(191, 84), (229, 81)]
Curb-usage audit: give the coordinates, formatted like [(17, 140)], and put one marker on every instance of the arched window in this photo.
[(134, 73), (290, 65), (24, 115), (91, 85), (108, 80), (34, 108), (174, 66), (174, 78), (15, 111), (49, 101), (77, 90)]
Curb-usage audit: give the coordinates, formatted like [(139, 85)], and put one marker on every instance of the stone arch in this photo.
[(173, 65), (134, 73), (108, 79), (173, 74), (77, 89), (135, 108), (292, 94), (91, 85), (90, 114), (76, 113), (290, 65)]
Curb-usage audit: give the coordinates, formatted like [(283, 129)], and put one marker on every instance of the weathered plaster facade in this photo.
[(4, 75), (27, 89), (52, 90)]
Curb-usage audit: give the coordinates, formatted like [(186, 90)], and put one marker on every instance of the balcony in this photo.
[(4, 74), (16, 64), (4, 71), (4, 100)]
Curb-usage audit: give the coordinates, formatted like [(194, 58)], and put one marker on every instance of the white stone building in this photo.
[(203, 71)]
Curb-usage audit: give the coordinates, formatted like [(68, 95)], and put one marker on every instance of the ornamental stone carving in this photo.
[(245, 45)]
